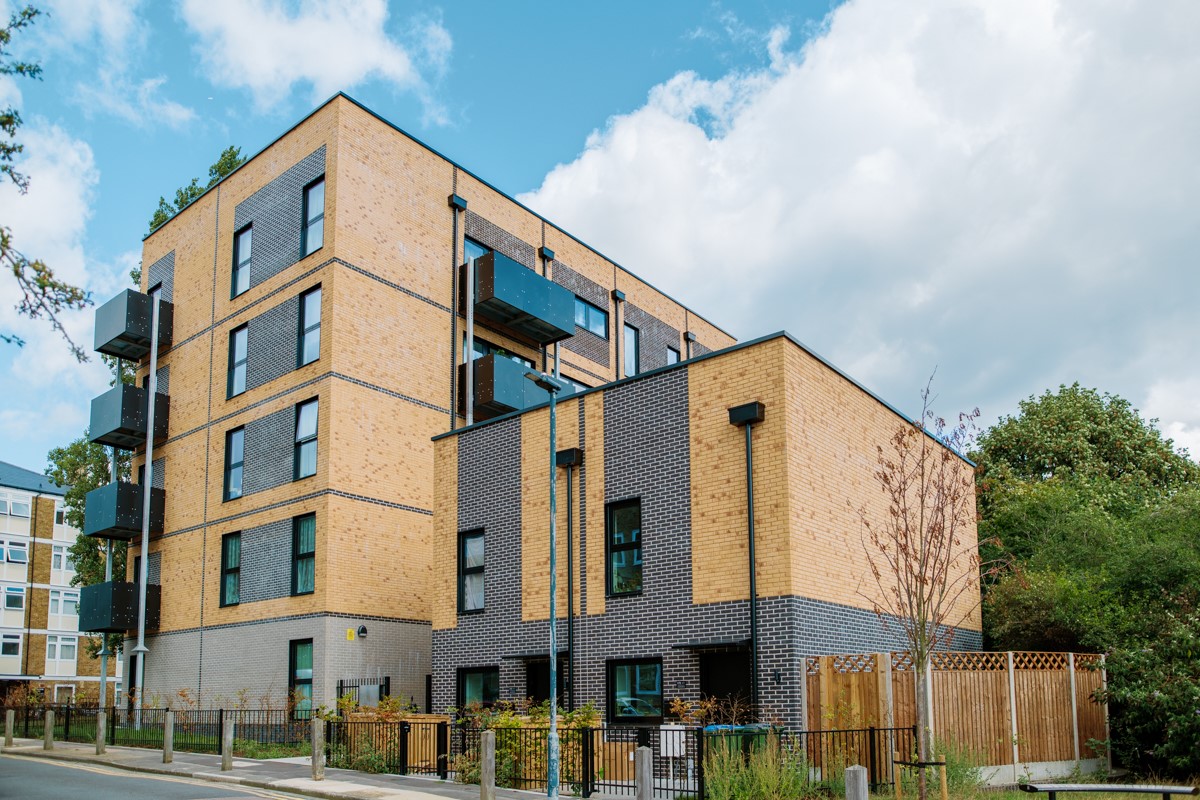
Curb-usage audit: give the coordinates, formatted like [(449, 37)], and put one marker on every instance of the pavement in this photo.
[(286, 775)]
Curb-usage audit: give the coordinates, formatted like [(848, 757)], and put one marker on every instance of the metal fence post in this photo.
[(700, 763), (48, 729), (227, 746), (101, 730), (487, 765), (168, 736), (404, 729), (443, 750), (318, 749), (643, 773), (112, 726), (67, 723), (872, 757), (221, 725)]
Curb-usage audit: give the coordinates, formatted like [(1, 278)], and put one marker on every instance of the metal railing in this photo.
[(401, 748)]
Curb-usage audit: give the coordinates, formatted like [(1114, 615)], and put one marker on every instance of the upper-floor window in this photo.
[(242, 241), (239, 341), (13, 505), (633, 355), (64, 603), (483, 348), (235, 450), (17, 552), (470, 571), (61, 648), (304, 554), (313, 235), (672, 355), (60, 559), (60, 515), (473, 250), (231, 569), (570, 385), (10, 644), (306, 439), (591, 318), (309, 348), (623, 525), (14, 598)]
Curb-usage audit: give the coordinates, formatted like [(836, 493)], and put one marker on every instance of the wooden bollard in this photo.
[(101, 731), (227, 746), (318, 749), (48, 730), (168, 737)]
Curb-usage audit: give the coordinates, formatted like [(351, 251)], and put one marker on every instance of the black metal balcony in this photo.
[(119, 417), (113, 607), (520, 301), (115, 511), (500, 387), (123, 325)]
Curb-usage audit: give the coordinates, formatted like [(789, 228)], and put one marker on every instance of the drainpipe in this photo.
[(688, 338), (746, 416), (458, 204), (618, 329), (547, 255), (144, 577), (570, 458)]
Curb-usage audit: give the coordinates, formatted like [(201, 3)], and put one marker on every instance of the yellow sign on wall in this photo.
[(349, 634)]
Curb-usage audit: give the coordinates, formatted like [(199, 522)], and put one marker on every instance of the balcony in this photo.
[(123, 326), (115, 511), (119, 417), (113, 607), (520, 301), (500, 387)]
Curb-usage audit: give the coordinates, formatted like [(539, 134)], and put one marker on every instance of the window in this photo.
[(14, 598), (473, 250), (480, 685), (300, 677), (635, 690), (60, 516), (235, 449), (239, 341), (60, 648), (672, 355), (571, 386), (10, 644), (304, 548), (590, 318), (20, 508), (64, 603), (241, 260), (623, 524), (313, 235), (632, 356), (483, 348), (306, 439), (470, 571), (309, 349), (60, 558), (17, 552), (231, 569)]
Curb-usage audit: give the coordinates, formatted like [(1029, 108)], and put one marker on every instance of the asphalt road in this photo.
[(35, 779)]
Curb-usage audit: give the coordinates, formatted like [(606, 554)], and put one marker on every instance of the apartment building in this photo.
[(325, 310), (40, 644), (654, 539)]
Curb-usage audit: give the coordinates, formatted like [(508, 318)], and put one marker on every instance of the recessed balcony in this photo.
[(119, 417), (123, 325), (500, 387), (520, 301), (115, 511), (113, 607)]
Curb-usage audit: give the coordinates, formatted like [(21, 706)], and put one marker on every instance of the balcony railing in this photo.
[(516, 299), (119, 417), (500, 387), (114, 511), (113, 607), (123, 325)]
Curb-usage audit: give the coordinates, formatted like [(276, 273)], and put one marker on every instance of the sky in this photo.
[(1001, 193)]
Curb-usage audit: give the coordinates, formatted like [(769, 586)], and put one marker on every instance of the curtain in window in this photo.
[(306, 545), (231, 590)]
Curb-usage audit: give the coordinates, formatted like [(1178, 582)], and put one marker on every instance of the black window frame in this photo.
[(610, 547), (234, 364), (636, 350), (463, 570), (307, 222), (240, 264), (589, 308), (610, 690), (230, 464), (299, 557), (293, 681), (301, 443), (673, 351), (304, 328), (460, 683), (228, 569)]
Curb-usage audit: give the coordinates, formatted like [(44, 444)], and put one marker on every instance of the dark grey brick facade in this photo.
[(271, 343), (276, 211), (163, 272), (269, 451), (490, 235), (585, 343), (267, 561), (654, 337)]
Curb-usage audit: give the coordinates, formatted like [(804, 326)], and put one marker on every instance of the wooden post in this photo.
[(487, 765), (1104, 691), (10, 722), (318, 749), (227, 746), (168, 737), (945, 794), (643, 775), (825, 692), (48, 730), (804, 699), (101, 729), (1012, 712), (1074, 704), (898, 774), (856, 783), (883, 672)]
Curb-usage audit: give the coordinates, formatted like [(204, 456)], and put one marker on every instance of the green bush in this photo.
[(768, 772)]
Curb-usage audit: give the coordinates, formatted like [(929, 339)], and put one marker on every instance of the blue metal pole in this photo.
[(552, 739)]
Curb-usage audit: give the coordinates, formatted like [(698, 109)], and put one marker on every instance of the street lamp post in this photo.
[(552, 386)]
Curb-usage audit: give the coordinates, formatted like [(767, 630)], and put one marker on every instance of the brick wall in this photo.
[(266, 566), (271, 343), (654, 337), (162, 272)]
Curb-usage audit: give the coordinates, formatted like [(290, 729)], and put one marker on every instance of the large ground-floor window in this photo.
[(300, 676), (478, 685), (635, 690)]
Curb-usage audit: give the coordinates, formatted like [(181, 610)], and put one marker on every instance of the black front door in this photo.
[(537, 681), (725, 676)]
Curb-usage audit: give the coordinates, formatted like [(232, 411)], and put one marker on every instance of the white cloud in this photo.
[(1005, 191), (268, 47)]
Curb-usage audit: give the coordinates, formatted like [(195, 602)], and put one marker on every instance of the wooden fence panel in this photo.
[(1091, 714), (970, 710), (1044, 724)]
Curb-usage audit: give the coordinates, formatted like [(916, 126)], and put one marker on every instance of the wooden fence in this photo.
[(1014, 708)]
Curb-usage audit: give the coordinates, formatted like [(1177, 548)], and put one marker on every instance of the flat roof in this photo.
[(14, 477)]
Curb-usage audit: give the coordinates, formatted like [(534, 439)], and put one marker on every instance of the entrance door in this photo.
[(537, 681), (726, 676)]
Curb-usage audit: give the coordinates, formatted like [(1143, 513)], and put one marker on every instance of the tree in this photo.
[(922, 552), (230, 159), (42, 294)]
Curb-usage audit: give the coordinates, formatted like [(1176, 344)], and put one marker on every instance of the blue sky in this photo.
[(1002, 191)]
